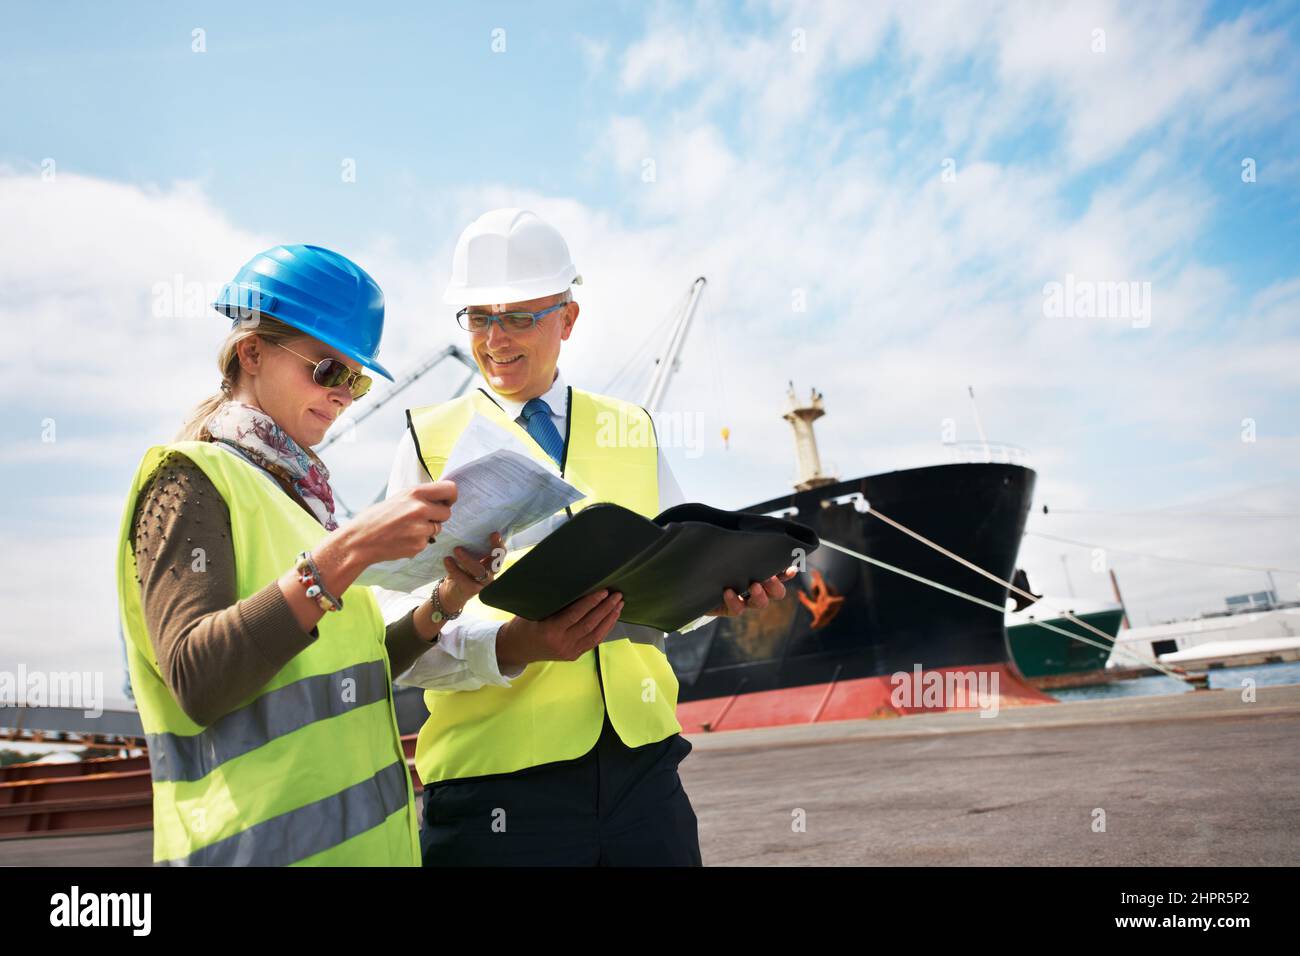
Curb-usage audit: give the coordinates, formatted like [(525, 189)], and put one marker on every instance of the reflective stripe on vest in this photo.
[(554, 710), (310, 769), (274, 714), (310, 829)]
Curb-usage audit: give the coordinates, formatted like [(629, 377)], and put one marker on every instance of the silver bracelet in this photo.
[(439, 612)]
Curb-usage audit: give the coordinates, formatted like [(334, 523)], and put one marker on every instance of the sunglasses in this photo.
[(330, 373)]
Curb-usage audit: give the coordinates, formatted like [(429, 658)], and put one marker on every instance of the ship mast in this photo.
[(801, 418)]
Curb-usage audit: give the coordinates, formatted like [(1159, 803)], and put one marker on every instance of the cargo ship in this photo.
[(850, 634)]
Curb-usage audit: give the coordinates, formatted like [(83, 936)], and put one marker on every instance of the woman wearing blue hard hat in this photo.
[(262, 675)]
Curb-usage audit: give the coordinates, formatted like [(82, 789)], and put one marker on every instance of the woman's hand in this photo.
[(398, 527), (467, 574), (401, 526)]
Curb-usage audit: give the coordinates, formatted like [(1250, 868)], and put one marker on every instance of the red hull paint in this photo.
[(865, 697)]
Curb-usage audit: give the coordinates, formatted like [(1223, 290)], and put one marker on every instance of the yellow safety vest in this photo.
[(310, 769), (554, 710)]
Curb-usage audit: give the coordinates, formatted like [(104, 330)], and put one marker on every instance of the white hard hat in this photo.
[(509, 255)]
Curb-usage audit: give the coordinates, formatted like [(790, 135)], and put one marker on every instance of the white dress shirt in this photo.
[(465, 656)]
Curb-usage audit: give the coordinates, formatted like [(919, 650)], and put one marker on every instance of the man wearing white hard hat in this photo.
[(555, 741)]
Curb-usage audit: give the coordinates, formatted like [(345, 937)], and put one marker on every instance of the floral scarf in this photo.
[(253, 432)]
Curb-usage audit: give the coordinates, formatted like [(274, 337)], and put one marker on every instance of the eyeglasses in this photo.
[(476, 320), (330, 373)]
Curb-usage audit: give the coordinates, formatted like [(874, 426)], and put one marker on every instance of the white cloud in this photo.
[(1159, 62), (666, 59), (916, 287)]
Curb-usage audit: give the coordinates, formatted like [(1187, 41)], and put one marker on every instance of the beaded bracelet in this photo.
[(310, 577)]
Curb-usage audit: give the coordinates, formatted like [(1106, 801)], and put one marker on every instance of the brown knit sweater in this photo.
[(215, 652)]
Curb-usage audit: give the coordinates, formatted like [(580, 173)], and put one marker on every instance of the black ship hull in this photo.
[(860, 621)]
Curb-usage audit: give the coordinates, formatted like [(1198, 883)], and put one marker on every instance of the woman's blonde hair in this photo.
[(264, 327)]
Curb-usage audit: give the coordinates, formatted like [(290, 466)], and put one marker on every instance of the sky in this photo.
[(890, 203)]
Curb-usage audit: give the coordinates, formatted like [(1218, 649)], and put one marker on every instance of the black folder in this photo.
[(670, 569)]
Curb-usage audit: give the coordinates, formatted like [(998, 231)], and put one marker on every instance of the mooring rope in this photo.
[(1112, 644)]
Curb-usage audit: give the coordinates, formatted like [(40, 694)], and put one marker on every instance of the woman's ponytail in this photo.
[(264, 327)]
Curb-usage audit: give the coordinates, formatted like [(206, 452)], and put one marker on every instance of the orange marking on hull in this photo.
[(823, 604)]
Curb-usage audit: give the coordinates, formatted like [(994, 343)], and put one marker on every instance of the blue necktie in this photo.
[(543, 430)]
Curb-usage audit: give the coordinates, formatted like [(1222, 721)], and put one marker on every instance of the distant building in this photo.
[(1255, 601)]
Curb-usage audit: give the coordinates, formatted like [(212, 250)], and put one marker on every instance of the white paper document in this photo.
[(498, 488)]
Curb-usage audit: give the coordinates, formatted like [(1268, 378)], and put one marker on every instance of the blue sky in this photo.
[(795, 148), (412, 94)]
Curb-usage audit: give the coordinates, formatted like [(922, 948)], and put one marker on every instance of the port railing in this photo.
[(986, 452)]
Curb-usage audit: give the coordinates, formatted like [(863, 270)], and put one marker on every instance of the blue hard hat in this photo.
[(324, 294)]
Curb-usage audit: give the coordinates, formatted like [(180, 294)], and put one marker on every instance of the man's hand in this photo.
[(467, 573), (564, 636), (759, 594)]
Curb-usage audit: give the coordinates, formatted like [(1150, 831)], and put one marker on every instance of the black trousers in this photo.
[(614, 806)]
